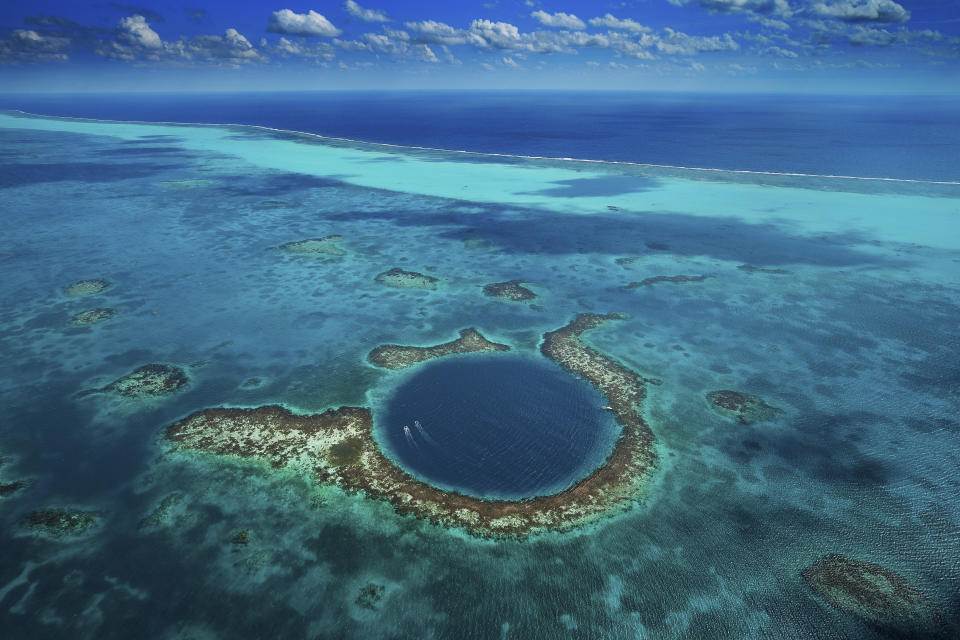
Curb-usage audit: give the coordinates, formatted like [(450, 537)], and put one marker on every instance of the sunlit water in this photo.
[(848, 325)]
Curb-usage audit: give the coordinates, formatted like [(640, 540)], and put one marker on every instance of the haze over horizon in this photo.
[(809, 46)]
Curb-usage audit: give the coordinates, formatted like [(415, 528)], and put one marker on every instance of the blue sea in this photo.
[(819, 240)]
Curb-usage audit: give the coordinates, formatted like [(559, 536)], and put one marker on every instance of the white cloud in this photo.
[(625, 24), (779, 52), (499, 35), (135, 32), (562, 20), (510, 62), (863, 11), (367, 15), (301, 24), (779, 7), (26, 45), (679, 43), (287, 48), (135, 40)]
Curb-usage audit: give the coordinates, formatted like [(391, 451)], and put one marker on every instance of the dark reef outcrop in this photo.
[(394, 356), (741, 406), (876, 595), (60, 522), (327, 246), (93, 316), (401, 279), (83, 288), (646, 282), (337, 447), (512, 290), (146, 381)]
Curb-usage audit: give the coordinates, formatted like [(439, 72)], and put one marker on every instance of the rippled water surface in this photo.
[(835, 301)]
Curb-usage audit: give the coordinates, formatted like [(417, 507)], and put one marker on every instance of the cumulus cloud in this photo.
[(301, 24), (135, 40), (498, 35), (679, 43), (287, 48), (135, 32), (367, 15), (26, 45), (863, 11), (625, 24), (872, 37), (433, 32), (562, 20), (779, 7)]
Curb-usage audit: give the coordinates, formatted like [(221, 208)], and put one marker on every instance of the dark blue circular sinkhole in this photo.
[(497, 426)]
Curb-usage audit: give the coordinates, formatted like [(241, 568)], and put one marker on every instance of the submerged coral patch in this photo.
[(876, 595), (741, 406), (148, 380), (337, 447), (401, 279), (83, 288), (325, 246), (93, 316), (394, 356), (60, 522), (646, 282), (512, 290), (11, 488)]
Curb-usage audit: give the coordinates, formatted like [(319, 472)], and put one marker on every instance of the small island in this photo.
[(83, 288), (876, 595), (743, 407), (401, 279), (512, 290), (393, 356), (337, 447)]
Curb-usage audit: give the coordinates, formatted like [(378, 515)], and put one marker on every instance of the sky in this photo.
[(810, 46)]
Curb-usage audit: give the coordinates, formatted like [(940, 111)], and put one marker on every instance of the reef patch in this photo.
[(401, 279), (393, 356), (744, 407), (60, 522), (749, 268), (327, 246), (93, 316), (646, 282), (83, 288), (337, 447), (512, 290), (876, 595), (146, 381), (11, 488), (370, 594)]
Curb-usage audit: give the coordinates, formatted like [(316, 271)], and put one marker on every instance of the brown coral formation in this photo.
[(11, 488), (86, 287), (876, 595), (394, 356), (401, 279), (656, 279), (742, 406), (325, 246), (513, 290), (93, 316), (60, 522), (148, 380), (337, 447)]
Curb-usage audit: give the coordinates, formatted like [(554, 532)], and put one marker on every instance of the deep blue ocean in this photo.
[(913, 137)]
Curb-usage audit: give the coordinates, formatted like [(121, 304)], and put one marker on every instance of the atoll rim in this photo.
[(338, 447)]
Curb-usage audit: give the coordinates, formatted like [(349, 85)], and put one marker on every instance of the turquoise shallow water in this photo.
[(847, 323)]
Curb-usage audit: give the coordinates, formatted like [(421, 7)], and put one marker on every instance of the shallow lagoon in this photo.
[(835, 300)]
